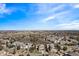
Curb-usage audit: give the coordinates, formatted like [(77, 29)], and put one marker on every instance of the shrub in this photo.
[(58, 47), (65, 48), (9, 45), (1, 47), (18, 47)]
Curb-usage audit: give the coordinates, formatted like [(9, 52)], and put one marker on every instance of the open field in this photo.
[(39, 43)]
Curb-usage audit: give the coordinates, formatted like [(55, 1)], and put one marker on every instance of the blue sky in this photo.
[(39, 16)]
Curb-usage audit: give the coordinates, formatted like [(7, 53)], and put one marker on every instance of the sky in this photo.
[(39, 16)]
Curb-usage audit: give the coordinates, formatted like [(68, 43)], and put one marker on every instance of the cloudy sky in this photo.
[(31, 16)]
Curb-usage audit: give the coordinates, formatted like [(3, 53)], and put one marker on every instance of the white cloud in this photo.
[(2, 6), (53, 16), (46, 8), (61, 7), (74, 25), (4, 10), (48, 19), (76, 5)]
